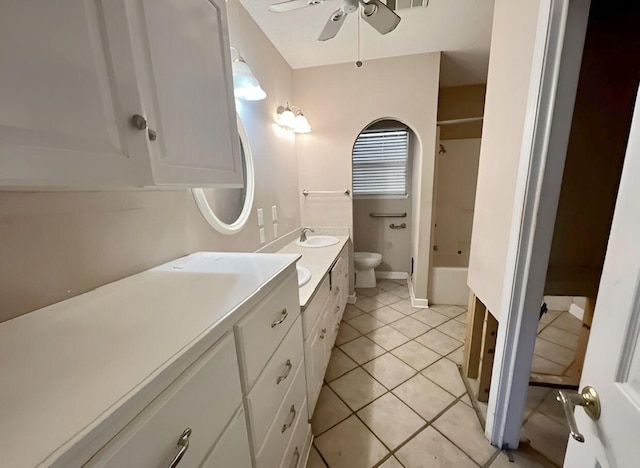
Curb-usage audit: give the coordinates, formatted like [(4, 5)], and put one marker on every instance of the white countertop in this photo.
[(317, 260), (72, 362)]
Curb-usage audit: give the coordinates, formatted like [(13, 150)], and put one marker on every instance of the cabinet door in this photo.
[(232, 449), (315, 359), (68, 89), (183, 59)]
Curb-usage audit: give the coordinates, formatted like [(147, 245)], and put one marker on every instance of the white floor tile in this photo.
[(350, 445), (391, 420), (389, 370), (357, 388), (423, 396), (430, 449)]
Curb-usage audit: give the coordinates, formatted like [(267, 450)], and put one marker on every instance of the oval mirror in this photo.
[(227, 209)]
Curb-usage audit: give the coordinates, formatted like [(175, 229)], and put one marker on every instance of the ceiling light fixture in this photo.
[(292, 119), (245, 85)]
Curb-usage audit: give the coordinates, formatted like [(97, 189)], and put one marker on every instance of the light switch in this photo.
[(262, 238), (260, 217), (274, 214), (275, 230)]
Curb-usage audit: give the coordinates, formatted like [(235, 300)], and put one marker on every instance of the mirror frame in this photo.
[(203, 203)]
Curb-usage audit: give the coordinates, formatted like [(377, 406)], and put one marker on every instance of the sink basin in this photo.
[(318, 241), (304, 275)]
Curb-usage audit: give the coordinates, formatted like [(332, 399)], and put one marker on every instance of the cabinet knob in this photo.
[(139, 122)]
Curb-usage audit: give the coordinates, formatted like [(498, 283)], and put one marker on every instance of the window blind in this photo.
[(380, 162)]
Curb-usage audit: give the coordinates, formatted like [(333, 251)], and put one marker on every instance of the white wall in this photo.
[(341, 100), (57, 245), (512, 42), (375, 235), (457, 173)]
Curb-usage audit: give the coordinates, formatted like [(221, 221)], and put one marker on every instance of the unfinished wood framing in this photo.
[(488, 352), (473, 343)]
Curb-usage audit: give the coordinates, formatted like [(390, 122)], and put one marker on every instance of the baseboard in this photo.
[(576, 311), (397, 275), (351, 299), (562, 303), (416, 302)]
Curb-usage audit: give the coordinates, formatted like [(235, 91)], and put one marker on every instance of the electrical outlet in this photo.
[(260, 217), (274, 214), (275, 230), (262, 238)]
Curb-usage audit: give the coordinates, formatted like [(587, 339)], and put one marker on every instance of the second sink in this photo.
[(318, 241)]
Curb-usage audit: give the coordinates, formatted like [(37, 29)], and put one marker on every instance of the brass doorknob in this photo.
[(588, 398)]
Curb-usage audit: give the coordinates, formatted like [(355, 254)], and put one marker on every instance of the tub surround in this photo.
[(69, 369)]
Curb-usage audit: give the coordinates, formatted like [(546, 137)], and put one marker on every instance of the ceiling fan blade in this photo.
[(291, 5), (382, 18), (333, 25)]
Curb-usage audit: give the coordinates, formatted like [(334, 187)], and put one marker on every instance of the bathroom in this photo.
[(100, 351)]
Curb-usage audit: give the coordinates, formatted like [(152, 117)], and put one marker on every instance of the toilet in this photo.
[(364, 264)]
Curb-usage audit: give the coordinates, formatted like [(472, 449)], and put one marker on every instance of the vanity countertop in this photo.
[(77, 360), (318, 261)]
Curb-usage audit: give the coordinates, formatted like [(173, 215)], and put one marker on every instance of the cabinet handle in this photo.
[(337, 309), (296, 457), (283, 316), (337, 326), (285, 374), (323, 333), (183, 443), (337, 290), (153, 136), (287, 425)]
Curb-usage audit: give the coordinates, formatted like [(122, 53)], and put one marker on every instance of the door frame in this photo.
[(556, 65)]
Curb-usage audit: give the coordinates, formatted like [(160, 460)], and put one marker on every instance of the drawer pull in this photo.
[(337, 309), (285, 374), (183, 443), (296, 458), (323, 333), (283, 316), (287, 425), (337, 290)]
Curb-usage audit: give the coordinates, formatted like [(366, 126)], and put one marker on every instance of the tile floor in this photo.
[(393, 395)]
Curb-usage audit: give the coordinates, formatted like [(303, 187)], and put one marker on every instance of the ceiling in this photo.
[(459, 28)]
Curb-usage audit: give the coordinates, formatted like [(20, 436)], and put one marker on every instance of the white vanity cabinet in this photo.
[(103, 94), (199, 359), (321, 321), (269, 340)]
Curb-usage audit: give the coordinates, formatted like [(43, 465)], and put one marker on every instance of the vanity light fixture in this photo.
[(245, 85), (292, 119)]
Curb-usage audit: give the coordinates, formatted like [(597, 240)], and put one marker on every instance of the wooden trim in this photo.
[(473, 343), (488, 353)]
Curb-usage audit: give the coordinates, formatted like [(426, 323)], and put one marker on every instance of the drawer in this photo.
[(296, 453), (204, 399), (315, 308), (293, 406), (232, 448), (273, 383), (260, 332)]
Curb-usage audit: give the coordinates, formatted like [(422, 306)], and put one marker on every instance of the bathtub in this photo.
[(448, 279)]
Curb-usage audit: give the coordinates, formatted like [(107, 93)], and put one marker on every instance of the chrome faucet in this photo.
[(303, 233)]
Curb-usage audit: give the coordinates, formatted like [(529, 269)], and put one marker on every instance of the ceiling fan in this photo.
[(382, 18)]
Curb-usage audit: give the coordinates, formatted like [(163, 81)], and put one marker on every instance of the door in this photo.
[(612, 364), (64, 117), (183, 59)]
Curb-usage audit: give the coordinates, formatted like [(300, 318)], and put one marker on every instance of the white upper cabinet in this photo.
[(75, 73)]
